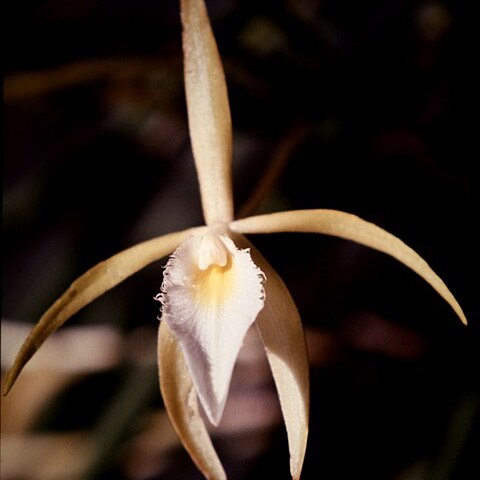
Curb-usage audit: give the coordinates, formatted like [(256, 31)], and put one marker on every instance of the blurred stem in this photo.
[(281, 155), (140, 386), (457, 434), (28, 85)]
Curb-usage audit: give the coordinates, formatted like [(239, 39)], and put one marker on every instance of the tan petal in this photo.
[(350, 227), (96, 281), (281, 331), (208, 113), (180, 400)]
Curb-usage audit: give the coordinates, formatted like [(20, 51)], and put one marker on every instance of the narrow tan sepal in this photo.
[(95, 282), (281, 331), (208, 113), (181, 402), (349, 227)]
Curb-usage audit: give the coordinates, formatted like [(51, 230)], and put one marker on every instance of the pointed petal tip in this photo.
[(215, 417), (25, 353), (212, 409), (7, 384)]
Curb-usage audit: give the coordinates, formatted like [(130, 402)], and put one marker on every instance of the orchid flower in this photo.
[(216, 285)]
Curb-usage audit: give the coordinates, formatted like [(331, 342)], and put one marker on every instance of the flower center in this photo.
[(212, 251)]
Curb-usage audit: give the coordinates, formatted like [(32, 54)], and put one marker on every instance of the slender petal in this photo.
[(281, 331), (350, 227), (180, 400), (96, 281), (208, 113), (211, 294)]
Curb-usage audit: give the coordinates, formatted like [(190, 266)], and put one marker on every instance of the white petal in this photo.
[(181, 403), (209, 305)]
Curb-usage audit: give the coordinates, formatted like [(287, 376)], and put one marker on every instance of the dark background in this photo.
[(365, 107)]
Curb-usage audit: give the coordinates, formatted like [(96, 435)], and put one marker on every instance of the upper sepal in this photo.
[(209, 117)]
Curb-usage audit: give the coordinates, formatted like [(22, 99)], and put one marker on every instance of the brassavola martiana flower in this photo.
[(216, 284)]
